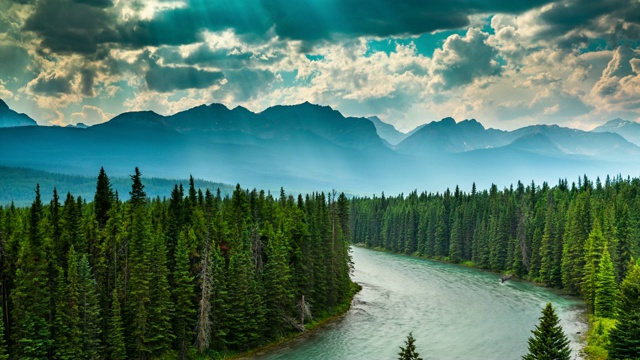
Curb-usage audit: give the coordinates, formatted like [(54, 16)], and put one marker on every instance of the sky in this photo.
[(506, 63)]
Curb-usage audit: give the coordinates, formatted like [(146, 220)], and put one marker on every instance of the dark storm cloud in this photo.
[(80, 26), (51, 86), (14, 61), (323, 19), (166, 79), (66, 26), (87, 78), (96, 3), (615, 20)]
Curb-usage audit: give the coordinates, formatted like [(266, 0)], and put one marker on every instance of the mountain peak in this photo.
[(448, 121), (10, 118)]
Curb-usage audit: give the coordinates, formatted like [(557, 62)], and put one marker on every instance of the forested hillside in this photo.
[(17, 184), (146, 278), (581, 237)]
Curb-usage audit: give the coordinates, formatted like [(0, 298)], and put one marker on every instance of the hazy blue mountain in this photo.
[(308, 147), (299, 147), (387, 131), (630, 130), (577, 142), (10, 118), (448, 136)]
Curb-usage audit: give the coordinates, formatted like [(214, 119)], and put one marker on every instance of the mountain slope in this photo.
[(299, 147), (387, 131), (10, 118), (308, 147), (630, 130), (450, 137)]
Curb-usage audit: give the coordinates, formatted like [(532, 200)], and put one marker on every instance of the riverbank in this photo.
[(314, 326), (580, 319)]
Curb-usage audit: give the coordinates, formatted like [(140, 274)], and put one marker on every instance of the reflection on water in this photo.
[(453, 312)]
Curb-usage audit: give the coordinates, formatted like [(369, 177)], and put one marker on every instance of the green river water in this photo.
[(454, 313)]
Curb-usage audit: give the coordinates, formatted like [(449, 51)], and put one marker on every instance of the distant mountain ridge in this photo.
[(10, 118), (470, 135), (387, 131), (630, 130), (308, 147)]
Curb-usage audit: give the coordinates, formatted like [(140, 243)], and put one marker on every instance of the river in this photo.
[(454, 313)]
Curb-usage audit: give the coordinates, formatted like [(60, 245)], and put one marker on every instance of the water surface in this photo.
[(453, 312)]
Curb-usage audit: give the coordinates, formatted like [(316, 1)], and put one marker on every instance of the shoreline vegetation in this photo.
[(311, 328), (580, 238)]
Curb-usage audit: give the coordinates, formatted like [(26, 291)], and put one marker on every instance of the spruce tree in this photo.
[(138, 196), (103, 199), (115, 349), (625, 337), (548, 341), (606, 287), (408, 352), (89, 311), (183, 291)]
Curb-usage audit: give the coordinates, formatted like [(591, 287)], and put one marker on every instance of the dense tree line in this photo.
[(581, 237), (144, 279)]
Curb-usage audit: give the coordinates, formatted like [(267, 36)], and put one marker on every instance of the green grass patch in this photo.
[(598, 337)]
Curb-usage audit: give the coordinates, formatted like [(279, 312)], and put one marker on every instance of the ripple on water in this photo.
[(453, 312)]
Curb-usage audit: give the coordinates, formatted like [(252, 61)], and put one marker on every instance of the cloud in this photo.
[(322, 20), (246, 84), (15, 61), (619, 85), (462, 60), (68, 26), (51, 84), (90, 115), (168, 78)]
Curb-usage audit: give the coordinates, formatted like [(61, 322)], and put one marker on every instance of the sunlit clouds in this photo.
[(507, 64)]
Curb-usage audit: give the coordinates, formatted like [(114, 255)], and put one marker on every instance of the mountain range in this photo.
[(309, 147)]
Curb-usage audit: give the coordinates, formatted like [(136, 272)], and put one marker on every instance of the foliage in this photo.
[(625, 338), (408, 352), (598, 337), (548, 341), (151, 278)]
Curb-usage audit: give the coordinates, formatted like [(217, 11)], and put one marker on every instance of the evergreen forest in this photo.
[(581, 237), (195, 275)]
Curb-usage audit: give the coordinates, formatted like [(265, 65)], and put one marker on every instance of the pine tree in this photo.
[(606, 287), (625, 337), (183, 291), (160, 308), (89, 311), (138, 196), (276, 279), (203, 323), (103, 199), (408, 352), (30, 298), (115, 349), (593, 248), (61, 333), (548, 341)]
